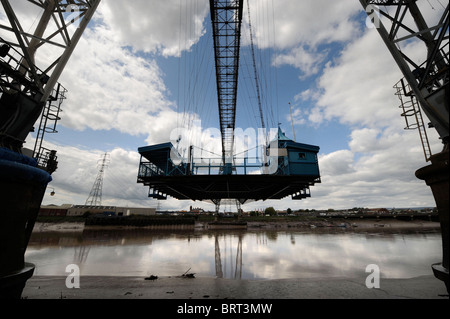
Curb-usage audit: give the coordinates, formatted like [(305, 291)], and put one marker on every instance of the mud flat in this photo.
[(101, 287), (317, 224), (58, 227), (354, 224)]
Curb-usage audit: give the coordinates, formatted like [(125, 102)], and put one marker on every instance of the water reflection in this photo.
[(235, 254)]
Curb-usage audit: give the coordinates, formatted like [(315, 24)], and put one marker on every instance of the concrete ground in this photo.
[(98, 287)]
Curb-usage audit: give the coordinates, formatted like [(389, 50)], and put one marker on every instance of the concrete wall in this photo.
[(53, 210)]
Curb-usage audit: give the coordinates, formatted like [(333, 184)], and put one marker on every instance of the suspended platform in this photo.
[(289, 169)]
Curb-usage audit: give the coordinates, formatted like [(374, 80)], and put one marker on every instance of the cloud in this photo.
[(298, 116), (166, 27), (337, 163), (298, 29), (307, 62), (78, 169), (307, 22), (107, 85), (365, 140), (357, 88)]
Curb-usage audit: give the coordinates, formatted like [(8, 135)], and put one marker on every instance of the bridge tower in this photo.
[(425, 87), (31, 64), (29, 91)]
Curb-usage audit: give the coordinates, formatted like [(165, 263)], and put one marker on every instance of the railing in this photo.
[(272, 165), (214, 166), (202, 166), (147, 169)]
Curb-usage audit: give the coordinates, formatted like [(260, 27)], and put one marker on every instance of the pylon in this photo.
[(95, 196)]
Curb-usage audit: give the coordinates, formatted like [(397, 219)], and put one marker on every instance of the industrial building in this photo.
[(79, 210)]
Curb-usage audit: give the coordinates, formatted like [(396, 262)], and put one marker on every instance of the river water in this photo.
[(246, 254)]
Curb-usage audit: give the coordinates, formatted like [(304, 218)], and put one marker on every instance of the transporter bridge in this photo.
[(282, 168)]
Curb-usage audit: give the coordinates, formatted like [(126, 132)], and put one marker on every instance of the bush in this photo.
[(270, 211)]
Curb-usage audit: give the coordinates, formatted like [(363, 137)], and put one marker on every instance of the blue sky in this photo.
[(140, 64)]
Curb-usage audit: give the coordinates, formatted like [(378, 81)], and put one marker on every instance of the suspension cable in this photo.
[(254, 68)]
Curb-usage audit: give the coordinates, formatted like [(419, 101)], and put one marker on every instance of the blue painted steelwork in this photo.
[(286, 157), (297, 158), (288, 169)]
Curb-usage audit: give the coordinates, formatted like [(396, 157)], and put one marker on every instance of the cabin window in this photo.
[(301, 155)]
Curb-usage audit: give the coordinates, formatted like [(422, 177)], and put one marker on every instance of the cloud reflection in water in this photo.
[(246, 255)]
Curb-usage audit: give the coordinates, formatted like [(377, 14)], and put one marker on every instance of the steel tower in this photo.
[(399, 22), (95, 196), (226, 18), (30, 66), (425, 87), (29, 91)]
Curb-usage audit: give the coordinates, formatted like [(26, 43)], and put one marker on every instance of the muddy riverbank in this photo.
[(103, 287), (317, 224)]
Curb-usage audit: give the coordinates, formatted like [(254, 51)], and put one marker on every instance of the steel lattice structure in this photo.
[(428, 82), (426, 85), (28, 83), (226, 17), (95, 196)]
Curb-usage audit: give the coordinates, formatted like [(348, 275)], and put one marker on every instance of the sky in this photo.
[(144, 68)]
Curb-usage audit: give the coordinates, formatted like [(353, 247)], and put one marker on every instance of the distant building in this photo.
[(197, 210), (54, 210), (377, 211), (80, 210), (126, 211)]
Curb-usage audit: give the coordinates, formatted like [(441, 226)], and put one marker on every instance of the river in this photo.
[(244, 254)]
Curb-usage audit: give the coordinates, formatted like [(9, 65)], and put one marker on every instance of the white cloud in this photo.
[(309, 22), (297, 29), (357, 89), (167, 27), (78, 169), (308, 94), (337, 163), (298, 116), (107, 84), (364, 140), (308, 62)]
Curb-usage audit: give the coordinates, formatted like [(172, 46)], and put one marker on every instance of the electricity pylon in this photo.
[(95, 196)]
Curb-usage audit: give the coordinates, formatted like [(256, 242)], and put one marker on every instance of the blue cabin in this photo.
[(293, 158), (161, 160)]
